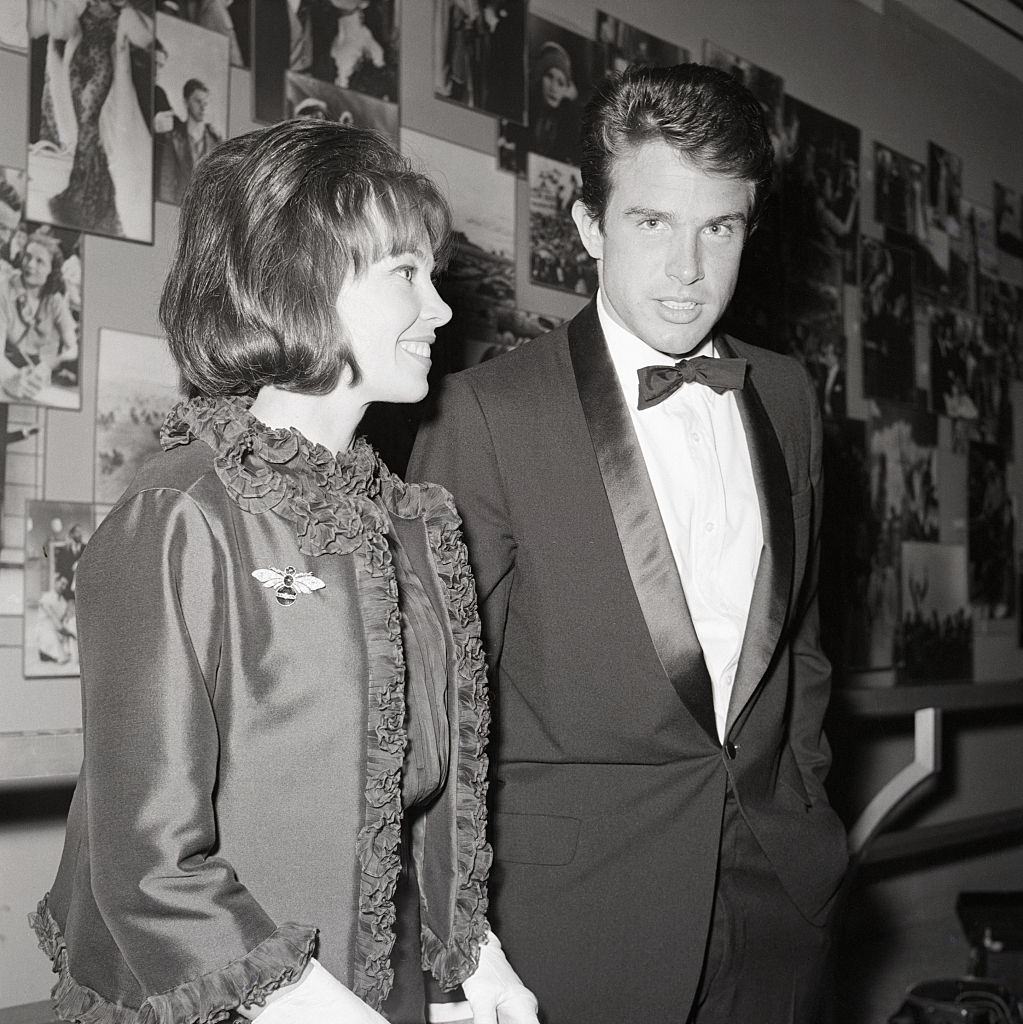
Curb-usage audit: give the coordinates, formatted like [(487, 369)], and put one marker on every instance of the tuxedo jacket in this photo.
[(609, 776)]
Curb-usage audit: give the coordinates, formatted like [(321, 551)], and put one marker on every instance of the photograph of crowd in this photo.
[(935, 641), (40, 315), (561, 66), (229, 18), (479, 51), (190, 102), (137, 383), (13, 30), (992, 533), (56, 533), (621, 45), (480, 276), (945, 189), (556, 255), (1001, 305), (309, 97), (886, 321), (90, 157)]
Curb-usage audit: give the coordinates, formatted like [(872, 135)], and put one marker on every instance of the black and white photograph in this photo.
[(944, 189), (935, 639), (190, 102), (886, 323), (90, 154), (309, 97), (992, 530), (353, 44), (136, 386), (56, 533), (622, 45), (956, 341), (13, 29), (513, 148), (1008, 212), (557, 257), (21, 481), (229, 18), (979, 227), (1001, 306), (561, 65), (900, 192), (514, 327), (479, 55), (480, 276), (40, 318), (821, 202)]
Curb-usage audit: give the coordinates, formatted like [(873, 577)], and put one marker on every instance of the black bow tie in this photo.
[(656, 383)]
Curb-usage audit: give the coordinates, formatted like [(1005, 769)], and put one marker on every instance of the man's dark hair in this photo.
[(703, 113), (272, 223), (194, 85)]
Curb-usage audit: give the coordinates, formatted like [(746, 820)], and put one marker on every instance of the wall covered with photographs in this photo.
[(890, 262)]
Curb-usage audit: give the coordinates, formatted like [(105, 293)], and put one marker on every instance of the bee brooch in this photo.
[(289, 583)]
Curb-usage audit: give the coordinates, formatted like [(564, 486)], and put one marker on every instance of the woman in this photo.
[(112, 145), (39, 332), (281, 808), (554, 116)]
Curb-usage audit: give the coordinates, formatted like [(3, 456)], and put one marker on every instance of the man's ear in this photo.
[(589, 230)]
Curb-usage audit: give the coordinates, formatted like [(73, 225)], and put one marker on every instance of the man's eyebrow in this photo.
[(647, 212), (738, 216)]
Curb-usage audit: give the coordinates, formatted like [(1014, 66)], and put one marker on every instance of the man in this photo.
[(645, 553), (180, 149)]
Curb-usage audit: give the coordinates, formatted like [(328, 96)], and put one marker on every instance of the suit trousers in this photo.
[(765, 963)]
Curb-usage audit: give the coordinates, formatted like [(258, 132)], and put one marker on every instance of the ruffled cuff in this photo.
[(278, 960)]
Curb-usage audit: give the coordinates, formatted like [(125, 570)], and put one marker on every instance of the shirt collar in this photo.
[(630, 353)]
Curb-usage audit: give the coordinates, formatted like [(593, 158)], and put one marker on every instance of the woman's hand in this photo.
[(495, 992), (317, 996)]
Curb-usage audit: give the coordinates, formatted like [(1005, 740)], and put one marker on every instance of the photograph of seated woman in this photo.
[(37, 325), (281, 810)]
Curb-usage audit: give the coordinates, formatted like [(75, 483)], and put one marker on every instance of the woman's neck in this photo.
[(329, 420)]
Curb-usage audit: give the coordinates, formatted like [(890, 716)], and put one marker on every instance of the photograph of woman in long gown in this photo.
[(90, 147)]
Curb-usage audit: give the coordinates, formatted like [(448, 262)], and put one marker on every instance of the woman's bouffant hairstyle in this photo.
[(703, 113), (272, 223)]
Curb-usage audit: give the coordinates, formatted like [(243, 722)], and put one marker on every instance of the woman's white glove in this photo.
[(318, 997), (495, 992)]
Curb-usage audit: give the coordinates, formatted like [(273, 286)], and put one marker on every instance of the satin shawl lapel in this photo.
[(637, 519), (773, 583)]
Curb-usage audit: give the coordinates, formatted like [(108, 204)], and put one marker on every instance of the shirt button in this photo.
[(696, 438), (730, 750), (709, 527)]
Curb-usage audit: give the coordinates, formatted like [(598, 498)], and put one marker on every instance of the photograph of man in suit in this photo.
[(188, 141), (641, 502)]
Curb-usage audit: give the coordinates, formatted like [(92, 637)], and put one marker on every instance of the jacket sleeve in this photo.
[(150, 595), (811, 685), (455, 448)]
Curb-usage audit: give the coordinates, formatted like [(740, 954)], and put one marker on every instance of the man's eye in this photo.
[(407, 272)]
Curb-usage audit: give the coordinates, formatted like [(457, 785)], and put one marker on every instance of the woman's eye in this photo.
[(407, 272)]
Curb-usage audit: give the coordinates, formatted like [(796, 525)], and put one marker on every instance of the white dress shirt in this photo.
[(699, 466)]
